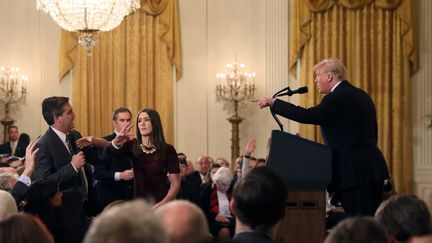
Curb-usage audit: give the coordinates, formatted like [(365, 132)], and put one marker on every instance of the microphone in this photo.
[(290, 92), (283, 92)]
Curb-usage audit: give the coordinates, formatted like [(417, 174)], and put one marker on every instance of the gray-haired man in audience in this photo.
[(131, 221)]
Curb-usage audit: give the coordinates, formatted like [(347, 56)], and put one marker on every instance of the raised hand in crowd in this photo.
[(250, 147), (123, 136), (29, 162)]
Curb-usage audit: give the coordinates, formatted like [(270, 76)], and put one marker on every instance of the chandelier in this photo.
[(234, 87), (13, 89), (88, 16)]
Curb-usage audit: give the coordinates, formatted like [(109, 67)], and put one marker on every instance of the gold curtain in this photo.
[(130, 66), (375, 40)]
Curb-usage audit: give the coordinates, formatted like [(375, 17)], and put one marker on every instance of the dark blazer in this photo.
[(348, 122), (251, 237), (19, 192), (53, 161), (193, 184), (109, 190), (5, 148)]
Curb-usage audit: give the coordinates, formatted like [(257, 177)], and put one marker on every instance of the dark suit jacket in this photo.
[(19, 192), (348, 122), (53, 162), (194, 187), (251, 237), (5, 148), (109, 190)]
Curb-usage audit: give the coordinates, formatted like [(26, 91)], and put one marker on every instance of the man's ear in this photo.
[(232, 208), (55, 118), (329, 77)]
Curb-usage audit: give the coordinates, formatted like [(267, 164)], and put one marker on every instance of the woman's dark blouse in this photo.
[(150, 173)]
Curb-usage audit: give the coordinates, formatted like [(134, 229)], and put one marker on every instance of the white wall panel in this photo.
[(422, 104), (191, 136), (256, 33)]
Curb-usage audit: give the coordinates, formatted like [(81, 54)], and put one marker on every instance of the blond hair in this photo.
[(333, 66)]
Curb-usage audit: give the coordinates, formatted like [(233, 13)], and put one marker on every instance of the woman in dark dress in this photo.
[(155, 163)]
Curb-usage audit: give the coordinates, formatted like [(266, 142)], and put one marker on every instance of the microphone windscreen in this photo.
[(303, 90)]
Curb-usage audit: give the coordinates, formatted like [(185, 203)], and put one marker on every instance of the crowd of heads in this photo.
[(400, 218)]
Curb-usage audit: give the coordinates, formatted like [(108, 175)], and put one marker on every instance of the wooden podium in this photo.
[(306, 169)]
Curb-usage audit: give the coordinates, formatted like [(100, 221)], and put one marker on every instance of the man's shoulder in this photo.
[(193, 176), (4, 145), (47, 136), (109, 137)]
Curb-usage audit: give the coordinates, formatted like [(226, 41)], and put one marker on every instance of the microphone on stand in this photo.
[(286, 92), (290, 92)]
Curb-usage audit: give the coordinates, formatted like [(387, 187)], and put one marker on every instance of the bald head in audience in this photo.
[(7, 205), (184, 222), (130, 222)]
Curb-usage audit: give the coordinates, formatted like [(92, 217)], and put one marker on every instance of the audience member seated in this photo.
[(223, 162), (131, 221), (211, 160), (24, 228), (23, 142), (13, 145), (184, 187), (181, 155), (261, 162), (14, 162), (197, 179), (42, 198), (211, 172), (406, 218), (183, 167), (215, 200), (184, 222), (238, 169), (259, 204), (191, 167), (358, 230), (3, 158), (8, 181), (7, 206)]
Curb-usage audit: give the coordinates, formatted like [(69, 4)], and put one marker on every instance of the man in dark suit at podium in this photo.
[(348, 122)]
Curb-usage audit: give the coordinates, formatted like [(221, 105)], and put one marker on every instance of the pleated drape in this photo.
[(131, 66), (375, 40)]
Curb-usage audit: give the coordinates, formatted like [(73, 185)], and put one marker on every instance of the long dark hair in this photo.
[(157, 137)]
